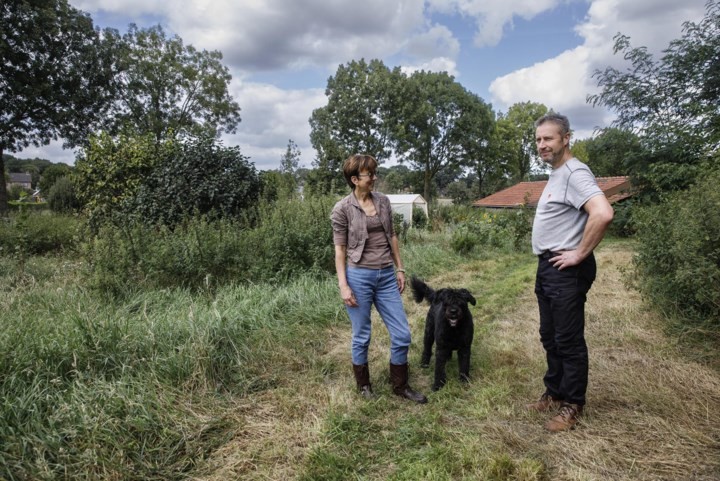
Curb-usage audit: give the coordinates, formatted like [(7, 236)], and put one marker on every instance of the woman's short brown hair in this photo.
[(355, 163)]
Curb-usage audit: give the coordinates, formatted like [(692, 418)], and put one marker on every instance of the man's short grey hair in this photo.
[(555, 118)]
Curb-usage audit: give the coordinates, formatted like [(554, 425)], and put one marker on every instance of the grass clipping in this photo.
[(651, 414)]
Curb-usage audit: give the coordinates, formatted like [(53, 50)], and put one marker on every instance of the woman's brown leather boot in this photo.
[(399, 382), (362, 378)]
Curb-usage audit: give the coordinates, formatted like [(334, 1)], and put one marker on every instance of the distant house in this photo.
[(23, 180), (615, 189), (404, 203)]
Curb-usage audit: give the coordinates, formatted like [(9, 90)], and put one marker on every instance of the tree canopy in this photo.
[(673, 103), (166, 87), (56, 76), (438, 123), (356, 119)]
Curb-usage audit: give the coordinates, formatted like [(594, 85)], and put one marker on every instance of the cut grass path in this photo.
[(652, 413)]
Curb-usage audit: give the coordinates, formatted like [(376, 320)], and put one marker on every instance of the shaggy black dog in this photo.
[(449, 325)]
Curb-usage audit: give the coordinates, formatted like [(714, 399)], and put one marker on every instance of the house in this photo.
[(615, 189), (23, 180), (404, 204)]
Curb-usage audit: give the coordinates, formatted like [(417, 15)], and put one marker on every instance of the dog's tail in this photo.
[(421, 290)]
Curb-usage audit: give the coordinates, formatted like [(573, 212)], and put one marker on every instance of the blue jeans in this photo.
[(378, 287), (561, 297)]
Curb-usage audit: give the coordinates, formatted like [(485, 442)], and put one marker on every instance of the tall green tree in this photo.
[(673, 103), (437, 122), (56, 76), (51, 174), (613, 152), (167, 87), (518, 138), (361, 96), (290, 160)]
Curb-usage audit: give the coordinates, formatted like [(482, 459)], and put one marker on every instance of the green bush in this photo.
[(198, 176), (419, 219), (34, 233), (678, 259), (623, 224), (62, 196), (463, 240), (291, 237)]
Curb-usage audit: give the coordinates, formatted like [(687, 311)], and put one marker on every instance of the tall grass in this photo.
[(288, 239), (138, 386)]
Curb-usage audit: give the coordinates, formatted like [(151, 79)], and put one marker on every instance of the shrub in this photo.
[(419, 219), (38, 233), (463, 240), (291, 237), (199, 176), (63, 197), (678, 258)]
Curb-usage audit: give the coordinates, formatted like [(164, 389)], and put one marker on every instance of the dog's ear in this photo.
[(467, 296)]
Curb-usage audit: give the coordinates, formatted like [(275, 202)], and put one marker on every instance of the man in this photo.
[(571, 219)]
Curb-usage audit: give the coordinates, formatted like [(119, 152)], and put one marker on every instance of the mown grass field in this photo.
[(254, 382)]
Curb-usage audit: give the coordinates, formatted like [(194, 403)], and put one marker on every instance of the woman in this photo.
[(364, 239)]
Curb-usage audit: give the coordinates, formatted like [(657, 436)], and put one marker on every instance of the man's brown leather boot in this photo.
[(566, 418)]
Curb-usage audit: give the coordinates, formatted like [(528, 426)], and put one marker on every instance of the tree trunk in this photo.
[(4, 209), (426, 184)]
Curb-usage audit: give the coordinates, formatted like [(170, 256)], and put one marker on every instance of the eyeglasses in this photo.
[(373, 175)]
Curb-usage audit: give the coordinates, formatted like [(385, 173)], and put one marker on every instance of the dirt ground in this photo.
[(653, 413)]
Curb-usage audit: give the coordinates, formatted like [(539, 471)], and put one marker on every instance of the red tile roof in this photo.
[(615, 189)]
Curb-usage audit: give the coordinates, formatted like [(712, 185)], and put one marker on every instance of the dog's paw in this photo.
[(464, 378)]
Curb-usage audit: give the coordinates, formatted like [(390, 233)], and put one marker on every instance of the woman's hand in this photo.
[(401, 280), (347, 296)]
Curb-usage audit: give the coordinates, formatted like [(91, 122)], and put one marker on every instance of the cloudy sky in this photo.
[(281, 52)]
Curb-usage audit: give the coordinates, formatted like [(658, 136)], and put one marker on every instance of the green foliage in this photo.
[(15, 192), (139, 390), (290, 160), (673, 103), (515, 142), (171, 88), (473, 227), (55, 79), (678, 257), (276, 185), (33, 233), (623, 224), (63, 197), (51, 174), (419, 219), (463, 240), (291, 237), (198, 176), (110, 171), (613, 152), (438, 124), (356, 118), (400, 227)]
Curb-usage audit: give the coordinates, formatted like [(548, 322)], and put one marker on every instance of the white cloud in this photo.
[(270, 117), (53, 152), (493, 16), (563, 82)]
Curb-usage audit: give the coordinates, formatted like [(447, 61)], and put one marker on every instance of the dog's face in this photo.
[(454, 304)]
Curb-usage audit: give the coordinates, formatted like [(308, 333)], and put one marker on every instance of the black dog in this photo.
[(449, 325)]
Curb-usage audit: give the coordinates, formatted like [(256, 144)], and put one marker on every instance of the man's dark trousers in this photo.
[(561, 297)]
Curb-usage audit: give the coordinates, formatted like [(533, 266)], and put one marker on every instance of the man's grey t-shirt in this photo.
[(560, 219)]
